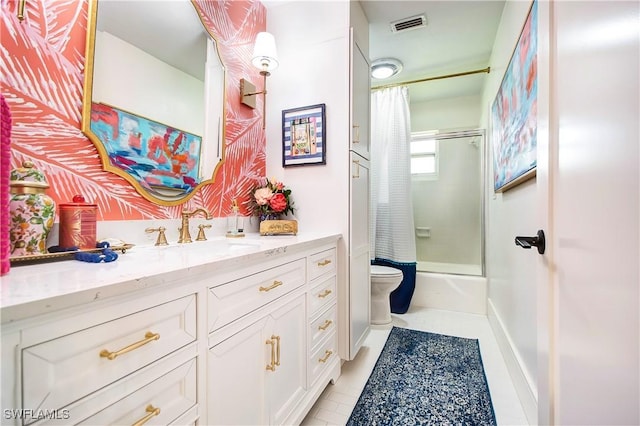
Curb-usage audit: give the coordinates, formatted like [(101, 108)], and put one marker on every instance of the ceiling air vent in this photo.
[(411, 23)]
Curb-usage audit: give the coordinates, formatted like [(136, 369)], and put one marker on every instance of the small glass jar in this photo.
[(235, 222), (32, 212)]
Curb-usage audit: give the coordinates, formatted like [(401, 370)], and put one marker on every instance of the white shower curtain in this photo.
[(392, 231)]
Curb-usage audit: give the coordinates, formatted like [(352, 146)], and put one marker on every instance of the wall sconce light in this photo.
[(21, 5), (265, 58)]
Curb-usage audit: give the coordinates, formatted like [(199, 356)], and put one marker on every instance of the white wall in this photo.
[(445, 114), (511, 271), (313, 50)]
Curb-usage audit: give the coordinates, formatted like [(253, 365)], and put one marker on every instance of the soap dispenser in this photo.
[(235, 222)]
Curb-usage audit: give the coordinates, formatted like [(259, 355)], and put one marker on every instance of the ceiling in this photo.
[(458, 37)]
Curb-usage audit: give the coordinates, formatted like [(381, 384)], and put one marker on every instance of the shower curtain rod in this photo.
[(440, 77)]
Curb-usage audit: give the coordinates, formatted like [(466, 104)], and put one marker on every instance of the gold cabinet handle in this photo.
[(277, 338), (272, 286), (326, 325), (272, 365), (324, 262), (356, 138), (148, 337), (326, 356), (153, 411), (324, 294), (357, 174)]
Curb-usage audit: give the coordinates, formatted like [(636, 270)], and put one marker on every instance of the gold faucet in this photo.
[(162, 239), (185, 235)]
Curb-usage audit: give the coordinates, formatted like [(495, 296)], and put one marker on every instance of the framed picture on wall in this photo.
[(514, 112), (303, 136)]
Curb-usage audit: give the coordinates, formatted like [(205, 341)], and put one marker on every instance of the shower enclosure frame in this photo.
[(455, 134)]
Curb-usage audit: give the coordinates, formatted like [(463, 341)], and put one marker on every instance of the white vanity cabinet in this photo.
[(258, 375), (117, 364), (323, 314), (245, 338), (264, 368)]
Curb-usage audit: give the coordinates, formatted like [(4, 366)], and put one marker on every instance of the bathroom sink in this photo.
[(205, 248)]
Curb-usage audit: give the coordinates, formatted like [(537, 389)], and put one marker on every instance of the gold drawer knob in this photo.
[(272, 286), (148, 337), (324, 262), (153, 411), (326, 356), (326, 325), (324, 294)]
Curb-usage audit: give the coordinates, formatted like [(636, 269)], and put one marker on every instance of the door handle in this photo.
[(537, 241)]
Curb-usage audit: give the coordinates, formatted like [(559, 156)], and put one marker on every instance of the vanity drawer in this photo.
[(65, 369), (234, 299), (172, 392), (163, 400), (322, 263), (322, 294), (323, 326), (322, 357)]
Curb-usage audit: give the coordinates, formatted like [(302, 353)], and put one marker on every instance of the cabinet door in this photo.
[(286, 383), (359, 257), (258, 375), (237, 379), (360, 101)]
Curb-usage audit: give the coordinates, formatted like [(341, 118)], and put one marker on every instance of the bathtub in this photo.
[(449, 268), (451, 292)]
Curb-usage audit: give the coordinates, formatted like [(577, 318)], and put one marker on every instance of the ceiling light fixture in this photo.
[(385, 68)]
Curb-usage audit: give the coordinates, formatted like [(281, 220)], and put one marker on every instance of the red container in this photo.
[(78, 224)]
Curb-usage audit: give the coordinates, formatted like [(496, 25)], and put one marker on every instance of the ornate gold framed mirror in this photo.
[(154, 96)]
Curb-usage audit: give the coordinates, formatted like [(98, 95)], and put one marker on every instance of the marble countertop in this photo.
[(36, 288)]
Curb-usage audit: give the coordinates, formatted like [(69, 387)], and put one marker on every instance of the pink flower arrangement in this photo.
[(270, 199)]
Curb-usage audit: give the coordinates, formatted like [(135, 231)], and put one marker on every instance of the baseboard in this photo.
[(522, 384)]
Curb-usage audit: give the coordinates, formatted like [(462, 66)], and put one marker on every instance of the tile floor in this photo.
[(337, 401)]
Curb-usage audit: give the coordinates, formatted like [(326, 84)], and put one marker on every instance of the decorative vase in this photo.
[(32, 212)]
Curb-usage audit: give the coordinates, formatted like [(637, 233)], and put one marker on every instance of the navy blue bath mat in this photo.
[(424, 378)]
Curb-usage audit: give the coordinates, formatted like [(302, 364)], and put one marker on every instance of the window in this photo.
[(424, 155)]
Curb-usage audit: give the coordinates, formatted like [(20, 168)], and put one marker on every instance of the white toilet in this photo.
[(383, 281)]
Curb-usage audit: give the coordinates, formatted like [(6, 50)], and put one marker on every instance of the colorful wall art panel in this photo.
[(514, 112)]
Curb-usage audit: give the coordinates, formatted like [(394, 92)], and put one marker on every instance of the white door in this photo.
[(589, 277)]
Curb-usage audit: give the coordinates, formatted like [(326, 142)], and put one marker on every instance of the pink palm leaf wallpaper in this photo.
[(42, 75)]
